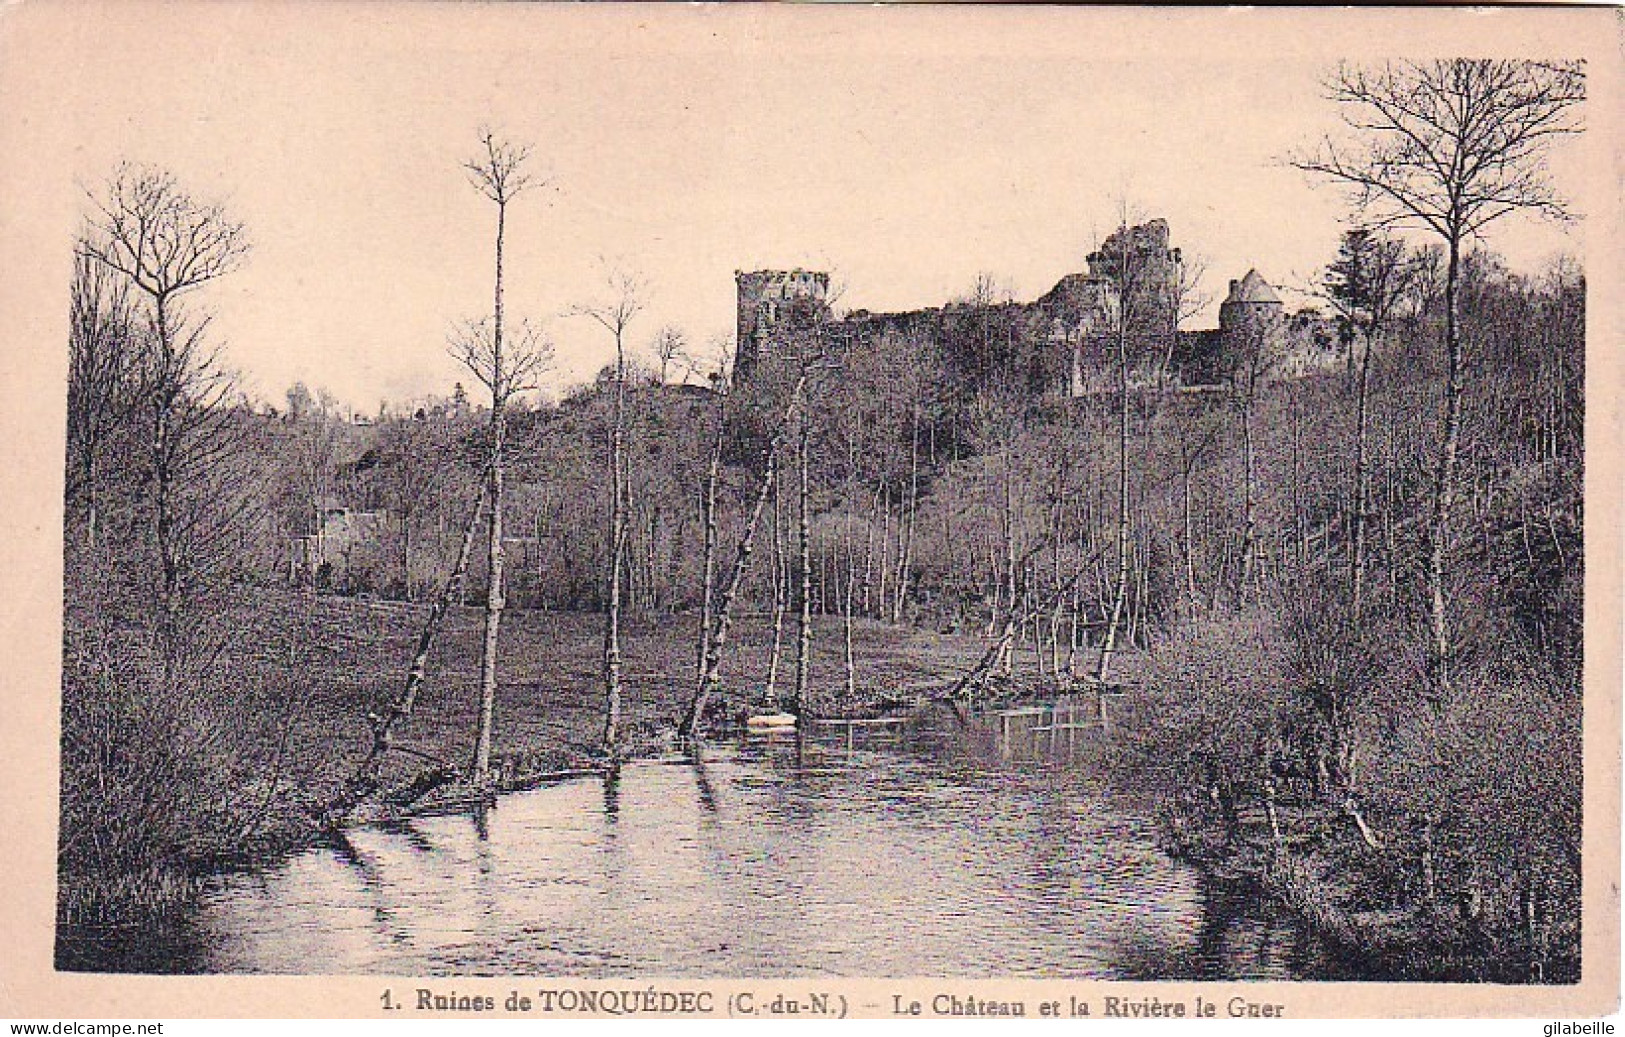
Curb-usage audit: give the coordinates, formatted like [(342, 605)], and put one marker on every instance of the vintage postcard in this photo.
[(793, 510)]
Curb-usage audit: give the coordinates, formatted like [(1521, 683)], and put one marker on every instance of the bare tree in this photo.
[(999, 421), (167, 244), (708, 523), (1450, 147), (717, 637), (715, 364), (1197, 429), (1256, 351), (103, 355), (615, 315), (912, 364), (780, 567), (506, 368), (366, 778), (312, 437), (804, 630), (413, 456), (1365, 283), (670, 348), (1130, 277)]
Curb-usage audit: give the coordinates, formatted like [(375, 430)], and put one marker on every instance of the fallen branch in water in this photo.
[(425, 783)]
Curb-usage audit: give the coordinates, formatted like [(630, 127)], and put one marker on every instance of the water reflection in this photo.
[(886, 850), (702, 785)]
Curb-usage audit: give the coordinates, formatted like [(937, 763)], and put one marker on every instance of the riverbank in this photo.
[(299, 673), (305, 671), (1345, 895)]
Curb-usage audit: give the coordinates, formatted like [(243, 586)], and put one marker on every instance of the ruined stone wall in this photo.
[(763, 296), (1075, 321), (1140, 259)]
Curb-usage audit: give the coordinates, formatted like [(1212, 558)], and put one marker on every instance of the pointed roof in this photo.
[(1252, 288)]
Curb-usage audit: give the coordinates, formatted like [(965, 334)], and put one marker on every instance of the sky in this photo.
[(906, 152)]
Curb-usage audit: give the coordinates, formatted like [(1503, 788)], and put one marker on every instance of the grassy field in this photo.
[(328, 661)]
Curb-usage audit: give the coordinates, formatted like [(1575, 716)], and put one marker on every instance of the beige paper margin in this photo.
[(41, 44)]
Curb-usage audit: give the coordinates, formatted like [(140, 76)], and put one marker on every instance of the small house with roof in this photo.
[(327, 555)]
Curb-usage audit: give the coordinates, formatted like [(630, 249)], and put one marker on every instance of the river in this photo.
[(861, 854)]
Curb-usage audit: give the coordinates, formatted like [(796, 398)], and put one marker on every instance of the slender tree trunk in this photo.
[(885, 550), (1143, 606), (493, 608), (1187, 533), (1075, 630), (870, 608), (1362, 491), (1108, 643), (804, 632), (1036, 612), (708, 516), (711, 670), (1299, 529), (995, 581), (781, 577), (366, 776), (617, 555), (1445, 477), (1249, 515), (1134, 597), (710, 673), (1008, 528), (826, 579), (1075, 635), (1055, 578), (493, 596), (406, 556), (1391, 531), (163, 487), (905, 554), (846, 616), (90, 495), (654, 598)]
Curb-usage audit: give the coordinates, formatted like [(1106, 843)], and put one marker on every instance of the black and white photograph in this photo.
[(822, 493)]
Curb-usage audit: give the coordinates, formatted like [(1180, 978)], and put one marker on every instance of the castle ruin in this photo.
[(1080, 316), (764, 298)]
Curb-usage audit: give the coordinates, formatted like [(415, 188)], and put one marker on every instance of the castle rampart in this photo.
[(763, 297), (1077, 318)]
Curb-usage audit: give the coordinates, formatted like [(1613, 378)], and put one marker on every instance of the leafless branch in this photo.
[(151, 231), (526, 355), (1450, 145), (498, 173)]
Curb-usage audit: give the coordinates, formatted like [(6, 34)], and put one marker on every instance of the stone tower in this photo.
[(1251, 307), (1154, 268), (1251, 299), (764, 298), (1251, 323)]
